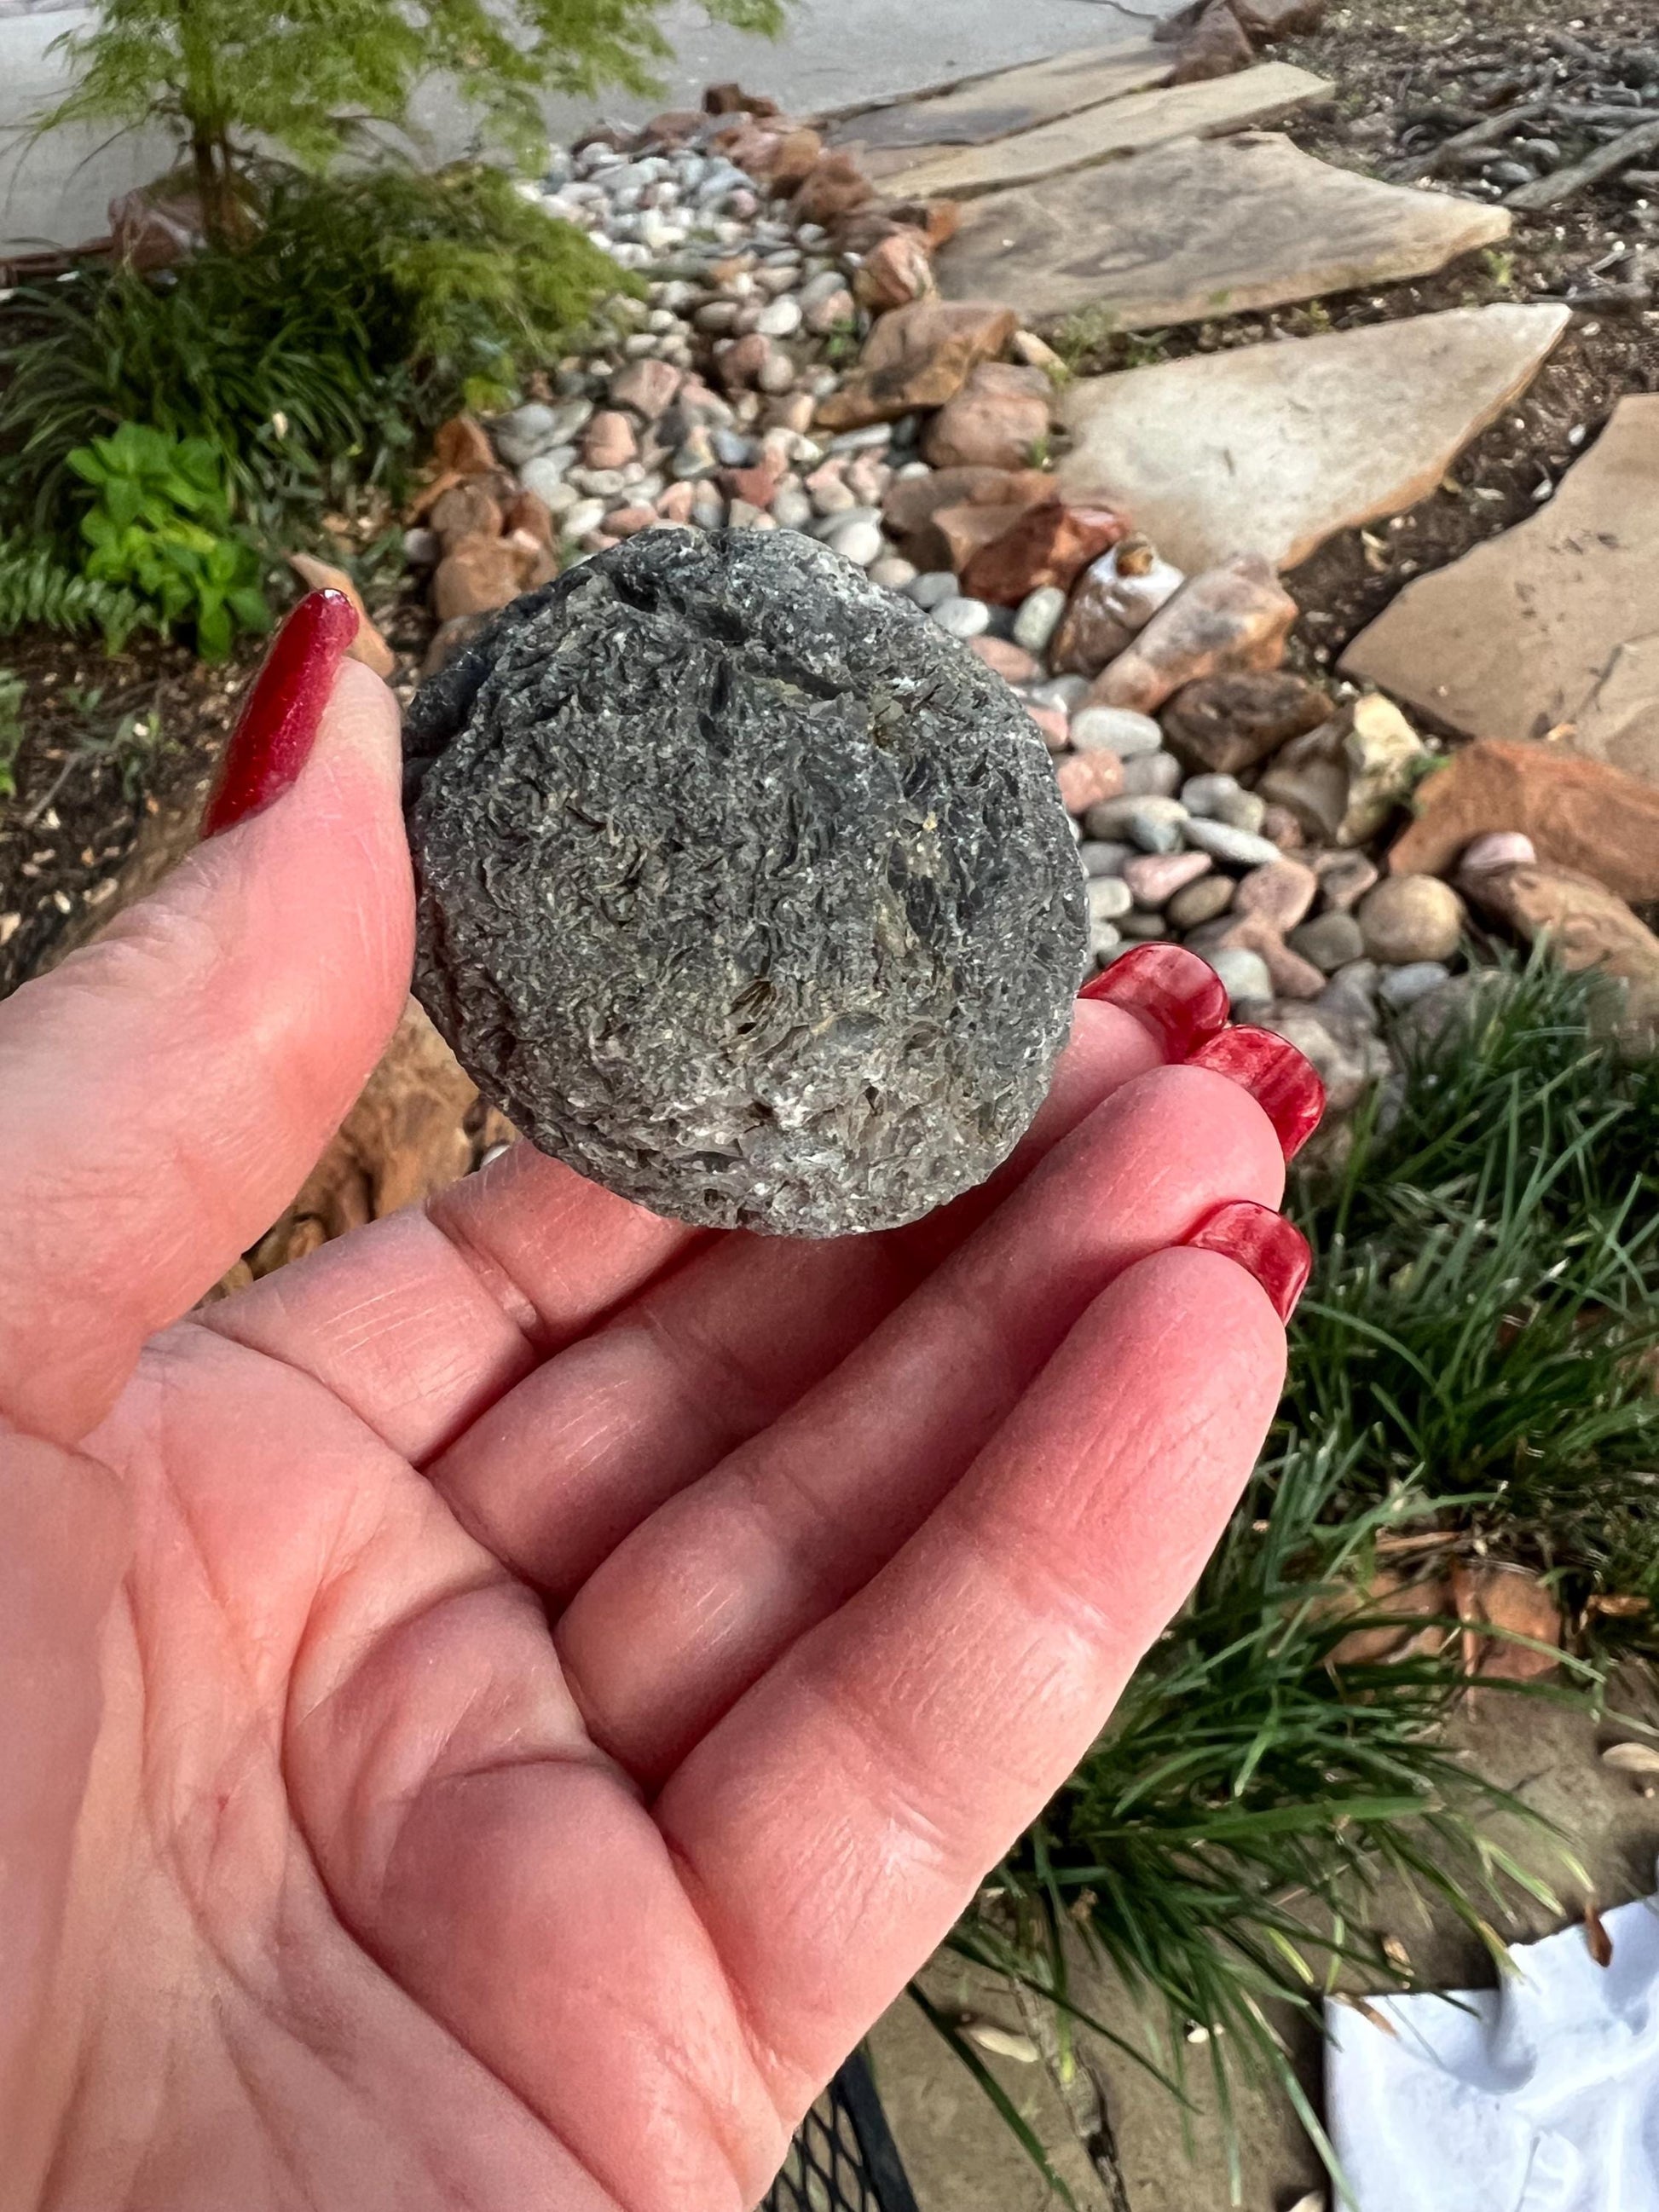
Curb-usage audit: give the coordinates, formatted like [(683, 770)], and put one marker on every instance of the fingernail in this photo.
[(1177, 995), (1263, 1243), (1278, 1076), (282, 715)]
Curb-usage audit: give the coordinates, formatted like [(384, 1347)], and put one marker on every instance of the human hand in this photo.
[(330, 1875)]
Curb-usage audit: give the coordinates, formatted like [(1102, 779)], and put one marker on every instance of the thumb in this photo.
[(168, 1088)]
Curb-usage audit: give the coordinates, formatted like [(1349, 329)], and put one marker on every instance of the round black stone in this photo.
[(742, 888)]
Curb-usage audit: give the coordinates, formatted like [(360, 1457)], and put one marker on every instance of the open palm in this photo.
[(495, 1712)]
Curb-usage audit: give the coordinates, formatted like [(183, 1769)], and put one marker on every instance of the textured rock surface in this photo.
[(1269, 449), (1202, 228), (1120, 126), (742, 888), (1556, 621)]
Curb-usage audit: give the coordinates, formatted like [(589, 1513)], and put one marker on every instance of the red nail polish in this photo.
[(1264, 1245), (1278, 1076), (280, 718), (1176, 993)]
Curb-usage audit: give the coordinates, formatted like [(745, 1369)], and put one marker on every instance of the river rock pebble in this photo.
[(1235, 848), (1113, 729), (1408, 919), (961, 618), (1244, 977)]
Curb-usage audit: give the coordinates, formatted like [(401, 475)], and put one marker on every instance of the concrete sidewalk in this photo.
[(837, 53)]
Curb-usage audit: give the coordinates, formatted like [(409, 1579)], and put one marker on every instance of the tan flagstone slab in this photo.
[(1556, 621), (1138, 119), (1271, 448), (1202, 228), (896, 137)]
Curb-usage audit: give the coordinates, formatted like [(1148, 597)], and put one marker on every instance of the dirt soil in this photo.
[(118, 754)]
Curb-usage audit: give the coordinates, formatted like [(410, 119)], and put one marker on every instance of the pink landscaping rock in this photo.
[(918, 356), (743, 363), (463, 445), (998, 420), (609, 442), (1234, 618), (628, 522), (912, 503), (834, 186), (1155, 878), (1282, 894), (1011, 662), (1215, 46), (1049, 544), (532, 516), (1580, 814), (477, 575), (647, 386), (896, 271), (1113, 601), (466, 510), (1085, 779), (676, 503), (1292, 977), (1056, 731), (1344, 878)]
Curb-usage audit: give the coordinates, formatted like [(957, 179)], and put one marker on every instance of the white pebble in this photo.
[(963, 618), (893, 572), (791, 508), (1239, 848), (933, 586), (1039, 617), (858, 542), (1115, 730), (587, 515), (1244, 974), (1109, 899)]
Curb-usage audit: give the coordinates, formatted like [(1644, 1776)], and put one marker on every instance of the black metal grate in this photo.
[(843, 2158)]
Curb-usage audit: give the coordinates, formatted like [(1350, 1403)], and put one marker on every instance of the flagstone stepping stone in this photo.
[(1263, 94), (897, 137), (1202, 228), (1273, 447), (1557, 622)]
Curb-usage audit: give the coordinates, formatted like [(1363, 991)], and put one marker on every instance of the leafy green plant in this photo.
[(224, 74), (11, 730), (39, 589), (312, 356), (161, 527)]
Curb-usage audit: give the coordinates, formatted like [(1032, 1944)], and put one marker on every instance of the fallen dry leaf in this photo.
[(1000, 2042), (1619, 1608), (368, 646), (1596, 1935), (1632, 1758)]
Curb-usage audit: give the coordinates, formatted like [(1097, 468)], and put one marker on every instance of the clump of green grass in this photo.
[(1473, 1357)]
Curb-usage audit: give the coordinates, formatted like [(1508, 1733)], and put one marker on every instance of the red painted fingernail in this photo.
[(1178, 995), (1264, 1245), (280, 718), (1278, 1076)]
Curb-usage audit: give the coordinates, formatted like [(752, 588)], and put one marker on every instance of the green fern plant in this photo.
[(40, 590)]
